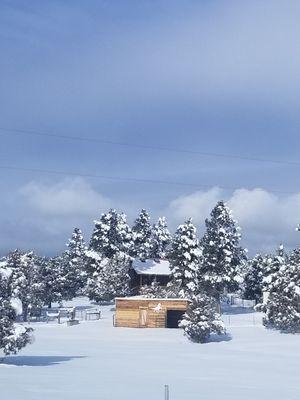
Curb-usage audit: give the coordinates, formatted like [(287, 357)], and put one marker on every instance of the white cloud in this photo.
[(66, 198), (46, 214), (266, 219), (196, 205)]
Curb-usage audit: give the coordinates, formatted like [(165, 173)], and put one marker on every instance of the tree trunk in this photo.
[(25, 313)]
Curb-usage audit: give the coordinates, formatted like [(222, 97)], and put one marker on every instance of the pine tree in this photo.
[(25, 280), (160, 240), (253, 281), (202, 319), (13, 337), (184, 257), (53, 282), (73, 270), (272, 265), (282, 309), (141, 232), (111, 235), (108, 277), (222, 256)]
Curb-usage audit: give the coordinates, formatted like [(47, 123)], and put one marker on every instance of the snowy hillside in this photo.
[(95, 361)]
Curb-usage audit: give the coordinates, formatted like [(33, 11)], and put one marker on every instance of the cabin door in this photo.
[(143, 318)]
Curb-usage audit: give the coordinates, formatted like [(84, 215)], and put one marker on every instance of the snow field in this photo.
[(94, 360)]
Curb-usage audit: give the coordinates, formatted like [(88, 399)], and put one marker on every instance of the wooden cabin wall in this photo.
[(128, 312)]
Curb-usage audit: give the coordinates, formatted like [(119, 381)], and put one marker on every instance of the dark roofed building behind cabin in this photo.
[(145, 272)]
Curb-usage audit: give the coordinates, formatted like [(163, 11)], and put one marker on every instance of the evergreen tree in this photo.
[(184, 257), (25, 280), (253, 281), (53, 282), (272, 265), (13, 337), (111, 235), (141, 232), (108, 277), (222, 256), (160, 240), (202, 319), (282, 309), (73, 270)]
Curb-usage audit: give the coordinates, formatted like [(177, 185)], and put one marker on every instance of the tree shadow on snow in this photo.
[(219, 338), (37, 361)]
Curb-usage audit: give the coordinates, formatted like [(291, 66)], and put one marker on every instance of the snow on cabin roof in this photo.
[(141, 297), (152, 267)]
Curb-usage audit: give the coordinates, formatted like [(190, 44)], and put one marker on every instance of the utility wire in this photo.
[(6, 131), (128, 179)]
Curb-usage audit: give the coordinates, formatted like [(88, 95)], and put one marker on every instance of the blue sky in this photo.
[(209, 76)]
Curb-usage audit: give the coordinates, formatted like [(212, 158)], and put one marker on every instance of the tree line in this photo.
[(202, 270)]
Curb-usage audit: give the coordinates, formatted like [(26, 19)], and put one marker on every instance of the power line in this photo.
[(129, 179), (6, 131)]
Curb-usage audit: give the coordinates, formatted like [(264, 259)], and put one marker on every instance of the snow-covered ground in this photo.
[(95, 361)]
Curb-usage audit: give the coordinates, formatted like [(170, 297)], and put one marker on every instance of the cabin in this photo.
[(145, 272), (141, 312)]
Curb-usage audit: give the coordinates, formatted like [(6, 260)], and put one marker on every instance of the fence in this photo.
[(242, 320), (63, 314)]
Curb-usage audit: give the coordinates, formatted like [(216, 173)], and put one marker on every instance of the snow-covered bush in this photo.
[(13, 337), (152, 291), (202, 319)]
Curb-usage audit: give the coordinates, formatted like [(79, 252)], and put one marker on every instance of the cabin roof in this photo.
[(151, 267), (150, 299)]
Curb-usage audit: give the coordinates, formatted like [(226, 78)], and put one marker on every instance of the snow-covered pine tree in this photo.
[(73, 269), (141, 232), (222, 256), (107, 277), (272, 265), (111, 235), (282, 309), (53, 282), (95, 263), (185, 257), (253, 280), (13, 337), (160, 240), (25, 282), (202, 319)]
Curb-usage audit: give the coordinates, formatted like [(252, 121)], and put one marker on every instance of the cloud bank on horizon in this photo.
[(53, 211)]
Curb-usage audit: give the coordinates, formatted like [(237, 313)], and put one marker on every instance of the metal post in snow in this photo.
[(166, 392)]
